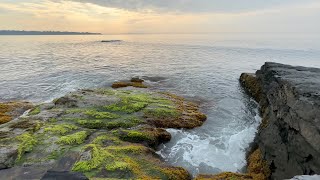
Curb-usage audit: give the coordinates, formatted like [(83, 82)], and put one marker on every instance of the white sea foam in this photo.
[(314, 177), (210, 154)]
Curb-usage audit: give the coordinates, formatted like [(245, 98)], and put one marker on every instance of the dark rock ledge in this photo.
[(289, 135)]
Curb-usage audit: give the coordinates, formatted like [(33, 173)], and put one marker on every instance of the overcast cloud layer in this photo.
[(195, 5)]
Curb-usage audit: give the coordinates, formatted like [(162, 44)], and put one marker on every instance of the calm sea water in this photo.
[(205, 68)]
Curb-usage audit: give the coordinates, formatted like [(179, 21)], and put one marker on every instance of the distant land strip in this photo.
[(13, 32)]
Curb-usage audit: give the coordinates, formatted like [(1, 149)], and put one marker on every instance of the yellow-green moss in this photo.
[(132, 102), (92, 124), (35, 111), (162, 112), (134, 135), (126, 122), (127, 106), (99, 156), (100, 140), (26, 143), (134, 149), (148, 98), (117, 165), (76, 138), (61, 129), (125, 161), (101, 115)]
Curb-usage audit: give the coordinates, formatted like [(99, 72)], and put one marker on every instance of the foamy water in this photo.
[(204, 68)]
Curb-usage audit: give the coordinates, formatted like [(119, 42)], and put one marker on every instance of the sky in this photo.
[(162, 16)]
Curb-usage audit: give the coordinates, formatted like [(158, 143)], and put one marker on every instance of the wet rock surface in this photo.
[(96, 133), (11, 110), (289, 136)]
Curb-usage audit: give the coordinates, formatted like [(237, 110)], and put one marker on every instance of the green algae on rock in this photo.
[(102, 133)]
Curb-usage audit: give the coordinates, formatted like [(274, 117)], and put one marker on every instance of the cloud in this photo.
[(141, 16), (194, 6)]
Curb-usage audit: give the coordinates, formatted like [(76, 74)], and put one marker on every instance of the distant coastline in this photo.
[(14, 32)]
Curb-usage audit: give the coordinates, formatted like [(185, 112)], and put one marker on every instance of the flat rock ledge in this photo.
[(96, 134), (289, 135)]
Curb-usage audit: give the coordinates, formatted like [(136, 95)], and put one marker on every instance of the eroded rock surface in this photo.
[(100, 133), (11, 110), (289, 136)]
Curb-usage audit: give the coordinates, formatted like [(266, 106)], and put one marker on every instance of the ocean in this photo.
[(201, 67)]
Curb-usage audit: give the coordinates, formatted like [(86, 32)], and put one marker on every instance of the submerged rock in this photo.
[(135, 82), (289, 136), (100, 133)]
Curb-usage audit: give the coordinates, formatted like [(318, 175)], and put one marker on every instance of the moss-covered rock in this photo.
[(76, 138), (103, 133), (35, 111), (151, 137), (26, 143), (258, 168), (251, 84)]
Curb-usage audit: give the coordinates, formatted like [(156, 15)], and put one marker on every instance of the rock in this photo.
[(56, 175), (12, 110), (66, 101), (8, 155), (102, 133), (186, 115), (123, 84), (288, 137), (23, 173)]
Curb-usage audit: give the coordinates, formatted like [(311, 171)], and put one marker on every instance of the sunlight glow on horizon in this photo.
[(89, 17)]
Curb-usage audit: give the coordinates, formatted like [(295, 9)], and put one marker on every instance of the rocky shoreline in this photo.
[(289, 135), (114, 133)]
